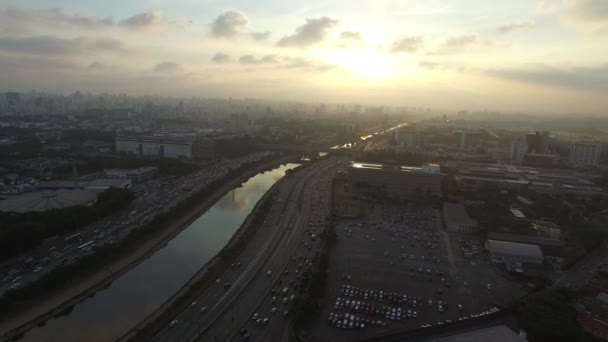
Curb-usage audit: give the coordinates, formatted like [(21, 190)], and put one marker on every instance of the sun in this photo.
[(366, 63)]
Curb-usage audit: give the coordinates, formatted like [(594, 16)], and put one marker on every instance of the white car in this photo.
[(269, 273), (173, 323)]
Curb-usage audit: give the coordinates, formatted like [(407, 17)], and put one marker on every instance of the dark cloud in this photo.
[(586, 78), (428, 65), (351, 35), (167, 67), (519, 26), (249, 59), (21, 19), (407, 44), (221, 58), (229, 24), (588, 10), (143, 21), (312, 32), (51, 45)]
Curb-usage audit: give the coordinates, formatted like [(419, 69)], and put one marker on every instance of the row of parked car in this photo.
[(349, 321), (380, 296)]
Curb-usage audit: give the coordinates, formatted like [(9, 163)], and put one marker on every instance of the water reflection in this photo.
[(116, 309)]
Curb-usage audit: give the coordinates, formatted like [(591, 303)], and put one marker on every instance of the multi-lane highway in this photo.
[(273, 259)]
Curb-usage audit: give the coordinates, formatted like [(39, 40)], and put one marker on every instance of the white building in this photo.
[(585, 153), (524, 253), (457, 220), (164, 147)]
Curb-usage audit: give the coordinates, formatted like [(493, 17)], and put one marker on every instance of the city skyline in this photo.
[(540, 57)]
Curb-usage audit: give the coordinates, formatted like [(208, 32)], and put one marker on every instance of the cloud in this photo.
[(260, 35), (231, 24), (407, 44), (167, 67), (221, 58), (287, 62), (351, 35), (588, 10), (51, 45), (13, 20), (143, 21), (314, 31), (518, 26), (461, 41), (582, 78), (428, 65), (544, 7), (268, 59)]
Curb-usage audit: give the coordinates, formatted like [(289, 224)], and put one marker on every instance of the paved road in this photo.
[(270, 250)]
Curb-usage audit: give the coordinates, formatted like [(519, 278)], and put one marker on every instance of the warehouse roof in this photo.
[(514, 248), (455, 213), (47, 200)]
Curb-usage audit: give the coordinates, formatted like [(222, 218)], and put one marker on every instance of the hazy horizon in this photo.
[(537, 57)]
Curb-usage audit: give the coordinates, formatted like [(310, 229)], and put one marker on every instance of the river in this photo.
[(115, 310)]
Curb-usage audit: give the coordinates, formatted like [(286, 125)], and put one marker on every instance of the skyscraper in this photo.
[(585, 153)]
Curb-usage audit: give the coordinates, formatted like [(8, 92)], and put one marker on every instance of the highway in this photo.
[(153, 197), (221, 311)]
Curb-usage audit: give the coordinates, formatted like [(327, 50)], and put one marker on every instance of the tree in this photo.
[(549, 316)]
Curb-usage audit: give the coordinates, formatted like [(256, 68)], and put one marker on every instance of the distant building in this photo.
[(204, 149), (518, 150), (406, 136), (468, 138), (548, 246), (163, 147), (524, 253), (457, 220), (136, 175), (542, 160), (404, 181), (538, 142), (240, 122), (97, 185), (585, 153)]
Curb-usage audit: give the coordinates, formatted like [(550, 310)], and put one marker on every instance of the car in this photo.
[(173, 323), (255, 316), (459, 306), (269, 273), (265, 321), (203, 309), (227, 285), (193, 303), (246, 336), (218, 281), (273, 310), (489, 286)]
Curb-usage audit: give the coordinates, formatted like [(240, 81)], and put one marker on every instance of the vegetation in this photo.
[(237, 147), (20, 232), (549, 316)]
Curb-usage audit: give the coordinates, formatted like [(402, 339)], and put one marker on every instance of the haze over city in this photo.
[(515, 56)]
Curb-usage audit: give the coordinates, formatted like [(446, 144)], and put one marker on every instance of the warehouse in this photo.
[(457, 220), (524, 253), (47, 200)]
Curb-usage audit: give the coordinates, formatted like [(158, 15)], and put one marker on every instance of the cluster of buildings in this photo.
[(534, 151), (398, 180)]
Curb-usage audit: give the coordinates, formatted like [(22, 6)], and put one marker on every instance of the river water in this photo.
[(114, 310)]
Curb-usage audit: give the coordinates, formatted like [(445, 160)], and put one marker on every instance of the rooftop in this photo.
[(456, 213), (47, 200), (522, 249)]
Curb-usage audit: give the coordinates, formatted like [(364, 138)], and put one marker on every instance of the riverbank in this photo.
[(204, 277), (63, 300)]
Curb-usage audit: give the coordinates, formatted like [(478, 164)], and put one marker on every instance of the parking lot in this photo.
[(394, 270)]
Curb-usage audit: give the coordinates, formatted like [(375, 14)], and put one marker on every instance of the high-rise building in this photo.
[(538, 142), (406, 136), (519, 149), (585, 153), (468, 138)]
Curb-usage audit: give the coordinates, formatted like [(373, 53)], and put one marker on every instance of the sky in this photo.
[(531, 56)]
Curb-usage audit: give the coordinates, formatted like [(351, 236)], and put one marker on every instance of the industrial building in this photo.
[(403, 181), (47, 200), (501, 251), (585, 153), (457, 220), (97, 185), (548, 246), (136, 175), (162, 147)]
